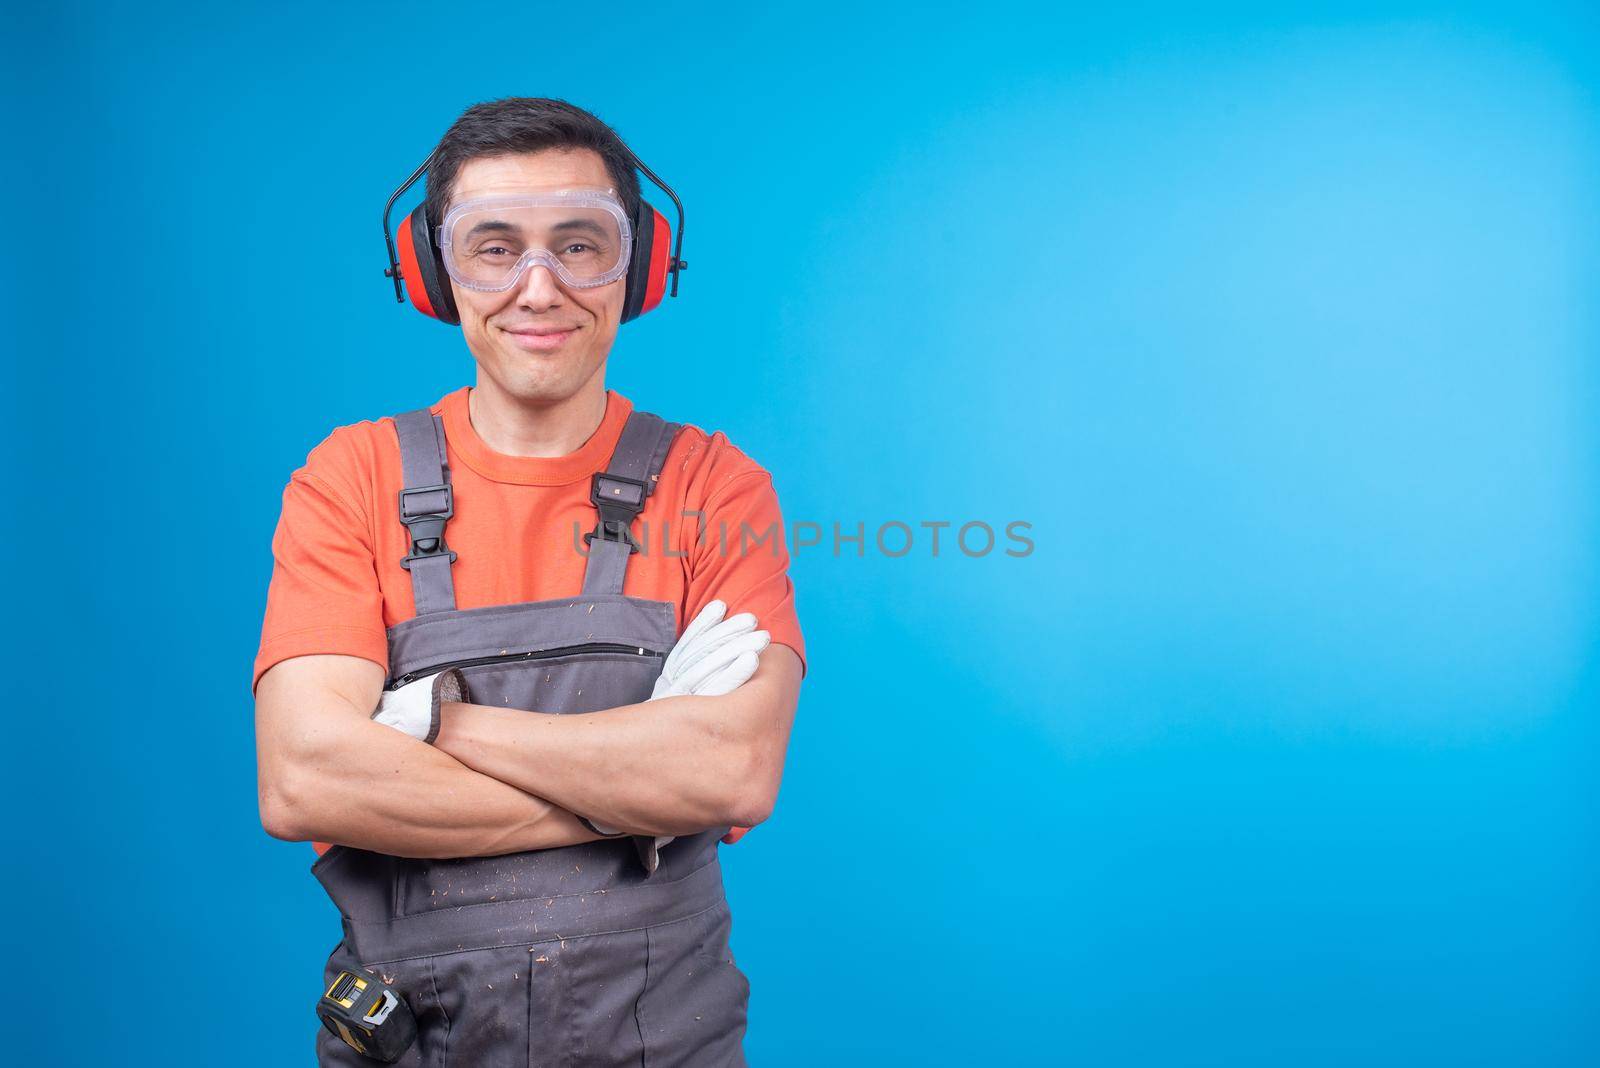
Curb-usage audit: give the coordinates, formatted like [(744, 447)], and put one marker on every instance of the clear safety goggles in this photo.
[(581, 235)]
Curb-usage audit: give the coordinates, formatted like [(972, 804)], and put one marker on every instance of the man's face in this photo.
[(510, 333)]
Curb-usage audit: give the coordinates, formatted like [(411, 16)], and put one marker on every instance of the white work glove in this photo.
[(715, 656), (414, 708)]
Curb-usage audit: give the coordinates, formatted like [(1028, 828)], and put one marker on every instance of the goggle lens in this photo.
[(488, 244)]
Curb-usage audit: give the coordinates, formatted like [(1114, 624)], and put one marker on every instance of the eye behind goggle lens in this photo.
[(489, 247)]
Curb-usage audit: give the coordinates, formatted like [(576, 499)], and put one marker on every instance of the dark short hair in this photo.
[(521, 124)]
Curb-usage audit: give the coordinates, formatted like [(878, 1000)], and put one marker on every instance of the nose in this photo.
[(538, 288)]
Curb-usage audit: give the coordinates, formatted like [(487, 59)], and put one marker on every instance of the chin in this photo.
[(543, 378)]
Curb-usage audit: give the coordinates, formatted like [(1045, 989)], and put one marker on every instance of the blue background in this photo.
[(1277, 325)]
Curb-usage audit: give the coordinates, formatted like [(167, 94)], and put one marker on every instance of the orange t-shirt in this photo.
[(337, 582)]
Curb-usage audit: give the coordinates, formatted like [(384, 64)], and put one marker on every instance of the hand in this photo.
[(715, 656), (414, 708)]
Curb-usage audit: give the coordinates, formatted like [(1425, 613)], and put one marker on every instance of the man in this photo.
[(525, 769)]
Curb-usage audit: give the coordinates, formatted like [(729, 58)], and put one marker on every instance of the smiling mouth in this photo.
[(541, 341)]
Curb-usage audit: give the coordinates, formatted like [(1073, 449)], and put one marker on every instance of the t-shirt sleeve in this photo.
[(324, 595), (739, 555)]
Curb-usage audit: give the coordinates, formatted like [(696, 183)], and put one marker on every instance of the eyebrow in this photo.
[(500, 226), (585, 225), (497, 226)]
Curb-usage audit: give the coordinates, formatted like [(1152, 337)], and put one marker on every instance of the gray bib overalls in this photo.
[(571, 956)]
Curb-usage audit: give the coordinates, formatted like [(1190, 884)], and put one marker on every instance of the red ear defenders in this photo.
[(418, 269)]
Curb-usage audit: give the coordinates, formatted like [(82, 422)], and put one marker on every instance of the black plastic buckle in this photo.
[(427, 528), (612, 530), (617, 507), (611, 502)]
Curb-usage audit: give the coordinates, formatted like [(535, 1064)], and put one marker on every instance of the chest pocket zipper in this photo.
[(536, 654)]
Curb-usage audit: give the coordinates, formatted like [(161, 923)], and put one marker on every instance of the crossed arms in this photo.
[(504, 780)]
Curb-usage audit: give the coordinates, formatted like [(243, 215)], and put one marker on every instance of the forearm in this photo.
[(363, 784), (651, 768), (673, 766)]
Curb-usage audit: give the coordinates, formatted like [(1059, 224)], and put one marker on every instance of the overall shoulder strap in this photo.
[(619, 494), (425, 506)]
